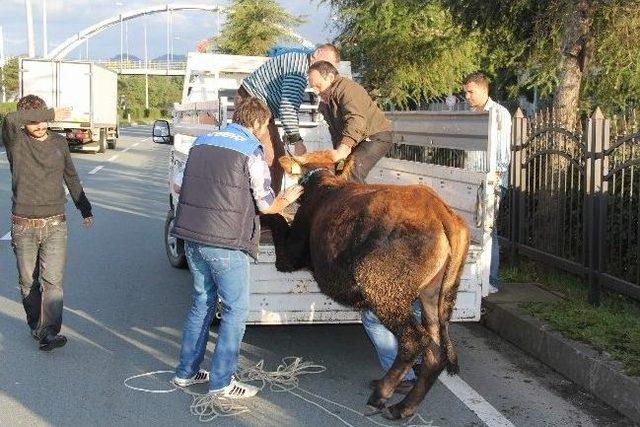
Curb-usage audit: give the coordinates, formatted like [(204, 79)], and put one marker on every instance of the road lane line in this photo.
[(95, 170), (112, 158), (6, 236), (134, 145), (467, 395)]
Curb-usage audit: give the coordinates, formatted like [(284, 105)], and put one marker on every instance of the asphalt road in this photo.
[(124, 309)]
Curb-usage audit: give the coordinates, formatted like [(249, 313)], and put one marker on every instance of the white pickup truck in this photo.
[(449, 151)]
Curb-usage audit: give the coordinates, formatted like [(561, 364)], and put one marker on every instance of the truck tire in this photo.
[(102, 143), (112, 143), (173, 246)]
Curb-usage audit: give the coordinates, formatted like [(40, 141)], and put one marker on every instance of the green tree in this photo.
[(405, 51), (254, 26), (9, 75), (163, 92), (579, 53)]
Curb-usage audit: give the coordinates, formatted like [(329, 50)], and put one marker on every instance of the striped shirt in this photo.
[(281, 82)]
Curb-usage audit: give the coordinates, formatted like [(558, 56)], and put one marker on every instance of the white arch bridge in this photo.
[(168, 68)]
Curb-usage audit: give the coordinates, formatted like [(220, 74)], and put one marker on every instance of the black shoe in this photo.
[(49, 342), (34, 335)]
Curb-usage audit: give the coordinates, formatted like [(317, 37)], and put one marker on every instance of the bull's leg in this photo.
[(290, 243), (433, 362), (410, 344)]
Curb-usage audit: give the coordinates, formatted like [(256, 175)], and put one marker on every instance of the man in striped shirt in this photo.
[(281, 83)]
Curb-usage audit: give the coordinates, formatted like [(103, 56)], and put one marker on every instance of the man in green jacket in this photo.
[(357, 125)]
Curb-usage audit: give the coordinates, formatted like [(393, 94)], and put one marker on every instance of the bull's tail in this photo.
[(458, 235)]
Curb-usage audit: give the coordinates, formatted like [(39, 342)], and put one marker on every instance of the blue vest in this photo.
[(216, 207)]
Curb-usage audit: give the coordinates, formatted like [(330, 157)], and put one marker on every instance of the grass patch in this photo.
[(614, 327)]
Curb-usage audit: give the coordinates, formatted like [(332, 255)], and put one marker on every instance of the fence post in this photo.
[(597, 133), (518, 136)]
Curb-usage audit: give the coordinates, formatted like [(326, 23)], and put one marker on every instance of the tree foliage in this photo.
[(163, 92), (10, 77), (405, 51), (531, 47), (576, 53), (254, 26)]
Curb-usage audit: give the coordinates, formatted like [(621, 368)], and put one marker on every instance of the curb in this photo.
[(596, 372)]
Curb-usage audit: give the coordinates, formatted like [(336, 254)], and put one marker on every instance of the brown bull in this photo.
[(380, 247)]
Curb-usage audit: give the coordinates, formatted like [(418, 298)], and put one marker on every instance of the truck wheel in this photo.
[(102, 143), (173, 245), (112, 144)]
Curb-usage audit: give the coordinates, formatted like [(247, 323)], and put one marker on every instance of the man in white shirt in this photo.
[(476, 90)]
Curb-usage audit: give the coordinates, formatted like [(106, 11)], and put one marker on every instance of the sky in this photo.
[(67, 17)]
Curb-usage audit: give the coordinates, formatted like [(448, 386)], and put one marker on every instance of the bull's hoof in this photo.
[(396, 412), (370, 411), (376, 401)]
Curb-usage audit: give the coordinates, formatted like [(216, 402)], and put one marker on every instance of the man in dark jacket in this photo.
[(39, 161), (226, 182), (357, 126)]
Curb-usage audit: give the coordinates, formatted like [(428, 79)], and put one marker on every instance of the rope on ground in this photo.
[(208, 407), (285, 378)]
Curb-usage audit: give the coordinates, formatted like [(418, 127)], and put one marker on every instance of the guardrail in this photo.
[(141, 64)]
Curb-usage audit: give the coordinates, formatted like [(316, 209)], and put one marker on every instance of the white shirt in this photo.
[(501, 138)]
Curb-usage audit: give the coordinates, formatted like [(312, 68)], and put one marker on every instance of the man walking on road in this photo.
[(226, 181), (280, 83), (40, 161), (476, 90)]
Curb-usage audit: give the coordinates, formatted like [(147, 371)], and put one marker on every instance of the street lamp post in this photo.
[(2, 64), (44, 28), (30, 41), (146, 67), (121, 39)]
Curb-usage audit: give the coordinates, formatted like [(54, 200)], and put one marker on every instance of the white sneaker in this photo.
[(200, 377), (493, 289), (236, 390)]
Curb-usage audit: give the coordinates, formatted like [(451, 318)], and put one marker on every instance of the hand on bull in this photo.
[(341, 153), (292, 193), (284, 199)]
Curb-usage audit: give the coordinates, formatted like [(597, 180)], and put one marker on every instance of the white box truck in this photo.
[(89, 90)]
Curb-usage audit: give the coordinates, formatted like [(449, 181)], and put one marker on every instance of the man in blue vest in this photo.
[(226, 183)]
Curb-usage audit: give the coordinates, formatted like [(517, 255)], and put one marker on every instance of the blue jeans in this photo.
[(41, 253), (384, 341), (494, 267), (217, 273)]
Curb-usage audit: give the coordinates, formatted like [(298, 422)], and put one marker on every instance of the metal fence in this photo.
[(574, 199)]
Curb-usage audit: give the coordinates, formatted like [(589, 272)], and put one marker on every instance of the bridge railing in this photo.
[(116, 64)]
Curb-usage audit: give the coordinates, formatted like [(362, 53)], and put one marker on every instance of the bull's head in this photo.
[(298, 166)]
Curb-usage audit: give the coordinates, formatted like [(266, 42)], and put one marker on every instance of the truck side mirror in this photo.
[(162, 132)]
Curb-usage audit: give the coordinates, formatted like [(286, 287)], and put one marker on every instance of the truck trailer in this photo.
[(89, 90)]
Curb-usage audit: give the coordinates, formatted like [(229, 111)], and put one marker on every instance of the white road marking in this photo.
[(467, 395), (6, 236), (95, 170), (112, 158), (134, 145)]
